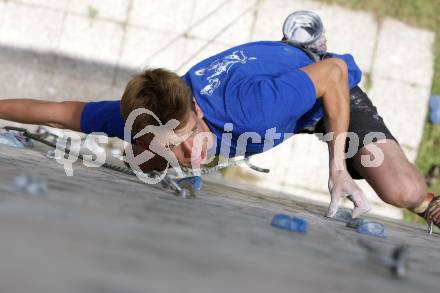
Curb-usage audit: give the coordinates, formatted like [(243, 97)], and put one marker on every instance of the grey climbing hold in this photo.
[(355, 223), (30, 185), (400, 257), (343, 215), (15, 139), (50, 154), (397, 262)]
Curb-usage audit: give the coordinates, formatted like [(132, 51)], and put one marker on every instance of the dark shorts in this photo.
[(364, 120)]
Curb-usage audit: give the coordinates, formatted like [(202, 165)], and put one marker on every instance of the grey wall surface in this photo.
[(102, 231)]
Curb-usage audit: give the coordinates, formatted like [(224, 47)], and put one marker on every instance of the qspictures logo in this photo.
[(68, 148)]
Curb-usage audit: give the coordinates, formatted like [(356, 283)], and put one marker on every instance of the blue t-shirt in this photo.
[(255, 88), (103, 116)]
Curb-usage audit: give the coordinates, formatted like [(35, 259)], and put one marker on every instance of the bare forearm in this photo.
[(331, 84), (23, 111), (337, 113), (55, 114)]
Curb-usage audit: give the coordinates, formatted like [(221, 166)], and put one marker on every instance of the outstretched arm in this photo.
[(66, 115), (330, 78)]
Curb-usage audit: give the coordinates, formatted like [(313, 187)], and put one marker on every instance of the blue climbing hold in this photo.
[(293, 224), (372, 229), (281, 221), (195, 182), (298, 225), (434, 105)]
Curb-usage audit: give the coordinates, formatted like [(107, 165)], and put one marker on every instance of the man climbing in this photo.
[(395, 180), (269, 90)]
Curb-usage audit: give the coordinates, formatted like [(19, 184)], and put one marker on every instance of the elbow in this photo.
[(70, 115), (336, 78), (339, 72)]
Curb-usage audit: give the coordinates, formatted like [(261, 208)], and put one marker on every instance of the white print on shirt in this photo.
[(219, 67)]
